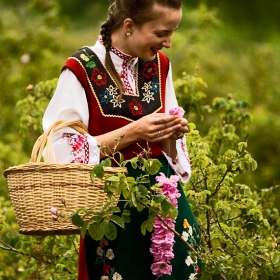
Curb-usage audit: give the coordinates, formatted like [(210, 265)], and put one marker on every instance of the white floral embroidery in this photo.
[(147, 86), (117, 103), (104, 278), (99, 251), (190, 230), (112, 90), (185, 235), (148, 96), (110, 254), (117, 276), (192, 276), (188, 261)]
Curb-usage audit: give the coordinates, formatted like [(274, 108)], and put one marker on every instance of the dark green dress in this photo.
[(132, 258)]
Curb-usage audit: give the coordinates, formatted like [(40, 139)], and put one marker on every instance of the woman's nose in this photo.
[(167, 42)]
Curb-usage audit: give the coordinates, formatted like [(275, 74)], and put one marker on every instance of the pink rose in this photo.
[(53, 210), (177, 111)]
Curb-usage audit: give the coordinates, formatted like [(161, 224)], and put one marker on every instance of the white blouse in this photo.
[(69, 102)]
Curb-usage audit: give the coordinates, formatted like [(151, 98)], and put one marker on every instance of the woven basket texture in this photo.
[(37, 186)]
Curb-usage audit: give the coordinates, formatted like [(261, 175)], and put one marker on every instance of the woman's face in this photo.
[(147, 39)]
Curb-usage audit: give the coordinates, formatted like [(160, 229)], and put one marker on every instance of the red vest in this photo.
[(106, 112)]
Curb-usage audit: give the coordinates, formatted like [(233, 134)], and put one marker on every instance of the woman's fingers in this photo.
[(180, 132), (165, 126), (159, 126)]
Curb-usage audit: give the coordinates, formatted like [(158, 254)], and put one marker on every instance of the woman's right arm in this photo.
[(69, 103)]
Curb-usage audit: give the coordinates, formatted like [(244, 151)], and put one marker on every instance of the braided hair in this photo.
[(139, 12)]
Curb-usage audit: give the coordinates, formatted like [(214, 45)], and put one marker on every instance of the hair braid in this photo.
[(106, 31)]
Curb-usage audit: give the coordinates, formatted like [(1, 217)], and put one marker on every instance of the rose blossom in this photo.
[(177, 111), (53, 210), (162, 237)]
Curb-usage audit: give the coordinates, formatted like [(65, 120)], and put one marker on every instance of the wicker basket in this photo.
[(37, 186)]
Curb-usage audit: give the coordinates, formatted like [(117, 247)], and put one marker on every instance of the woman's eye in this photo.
[(160, 35)]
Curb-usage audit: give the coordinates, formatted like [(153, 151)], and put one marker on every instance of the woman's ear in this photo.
[(128, 26)]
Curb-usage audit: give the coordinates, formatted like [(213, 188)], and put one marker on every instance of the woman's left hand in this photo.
[(179, 133)]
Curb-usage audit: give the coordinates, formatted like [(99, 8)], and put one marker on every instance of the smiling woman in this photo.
[(122, 85), (146, 39)]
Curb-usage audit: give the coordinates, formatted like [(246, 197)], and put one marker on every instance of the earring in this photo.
[(128, 34)]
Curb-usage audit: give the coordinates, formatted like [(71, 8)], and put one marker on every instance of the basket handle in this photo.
[(45, 140)]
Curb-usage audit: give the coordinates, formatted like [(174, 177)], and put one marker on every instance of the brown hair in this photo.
[(138, 11)]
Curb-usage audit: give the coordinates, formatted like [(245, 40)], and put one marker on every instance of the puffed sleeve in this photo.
[(69, 103)]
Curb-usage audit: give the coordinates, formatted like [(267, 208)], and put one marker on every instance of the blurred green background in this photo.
[(233, 45)]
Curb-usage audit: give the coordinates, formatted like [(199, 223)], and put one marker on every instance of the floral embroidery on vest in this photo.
[(105, 97), (104, 256), (104, 88), (100, 78), (135, 107), (88, 58), (151, 69)]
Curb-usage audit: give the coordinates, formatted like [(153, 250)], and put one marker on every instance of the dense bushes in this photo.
[(237, 213)]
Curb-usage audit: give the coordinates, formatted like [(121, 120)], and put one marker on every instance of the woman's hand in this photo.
[(179, 133), (156, 127), (159, 126)]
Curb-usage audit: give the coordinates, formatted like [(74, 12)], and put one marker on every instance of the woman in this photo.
[(123, 86)]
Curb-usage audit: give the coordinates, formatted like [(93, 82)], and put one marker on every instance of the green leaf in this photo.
[(165, 206), (133, 199), (126, 216), (91, 64), (159, 198), (241, 146), (99, 171), (130, 180), (146, 226), (126, 212), (114, 209), (140, 207), (77, 220), (113, 179), (191, 126), (110, 231), (266, 223), (106, 162), (60, 267), (96, 231), (126, 219), (173, 212), (84, 229), (153, 166), (117, 220), (254, 165), (121, 185), (92, 174), (134, 165), (142, 191), (269, 270), (121, 157), (144, 180)]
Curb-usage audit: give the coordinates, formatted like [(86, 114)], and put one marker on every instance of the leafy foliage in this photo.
[(239, 239), (239, 221)]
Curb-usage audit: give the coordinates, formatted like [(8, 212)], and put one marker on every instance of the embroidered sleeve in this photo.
[(181, 164), (69, 103), (84, 148)]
